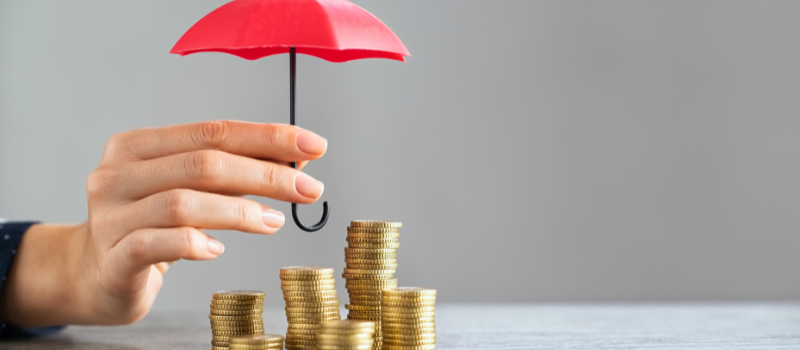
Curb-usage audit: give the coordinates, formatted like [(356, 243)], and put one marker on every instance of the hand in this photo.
[(153, 193)]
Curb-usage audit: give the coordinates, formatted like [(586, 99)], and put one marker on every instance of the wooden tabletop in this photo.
[(499, 326)]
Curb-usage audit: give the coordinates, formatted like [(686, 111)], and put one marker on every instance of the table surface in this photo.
[(499, 326)]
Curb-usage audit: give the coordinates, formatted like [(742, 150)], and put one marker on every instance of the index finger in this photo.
[(280, 142)]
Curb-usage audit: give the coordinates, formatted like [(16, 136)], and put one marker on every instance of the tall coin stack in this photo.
[(234, 313), (345, 335), (408, 321), (310, 295), (256, 342), (371, 258)]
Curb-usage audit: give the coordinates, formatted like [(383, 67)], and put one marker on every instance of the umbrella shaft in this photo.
[(292, 75)]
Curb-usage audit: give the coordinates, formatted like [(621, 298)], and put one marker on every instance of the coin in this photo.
[(374, 245), (258, 311), (312, 309), (352, 271), (351, 277), (409, 342), (414, 331), (375, 223), (308, 288), (219, 343), (388, 267), (365, 302), (410, 304), (306, 270), (239, 295), (386, 326), (237, 302), (371, 261), (234, 307), (410, 291), (362, 307), (229, 334), (351, 239), (241, 329), (420, 309), (234, 318), (330, 303)]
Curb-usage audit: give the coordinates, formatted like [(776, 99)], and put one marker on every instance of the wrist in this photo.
[(42, 288)]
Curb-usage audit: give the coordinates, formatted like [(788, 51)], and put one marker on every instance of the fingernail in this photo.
[(308, 186), (215, 247), (273, 218), (311, 143)]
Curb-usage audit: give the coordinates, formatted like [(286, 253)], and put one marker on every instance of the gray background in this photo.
[(535, 151)]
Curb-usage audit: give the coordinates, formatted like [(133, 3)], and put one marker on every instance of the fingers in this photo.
[(212, 171), (142, 248), (176, 208), (255, 140)]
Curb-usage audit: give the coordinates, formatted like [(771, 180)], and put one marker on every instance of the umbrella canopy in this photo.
[(333, 30)]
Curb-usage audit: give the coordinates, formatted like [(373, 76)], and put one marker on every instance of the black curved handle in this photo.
[(325, 212)]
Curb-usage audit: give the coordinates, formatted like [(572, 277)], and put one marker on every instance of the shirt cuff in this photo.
[(10, 237)]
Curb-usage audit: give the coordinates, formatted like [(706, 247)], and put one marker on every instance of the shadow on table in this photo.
[(61, 343)]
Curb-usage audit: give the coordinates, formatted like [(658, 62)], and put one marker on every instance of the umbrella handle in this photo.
[(297, 221)]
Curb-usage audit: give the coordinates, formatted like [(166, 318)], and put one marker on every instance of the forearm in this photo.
[(42, 285)]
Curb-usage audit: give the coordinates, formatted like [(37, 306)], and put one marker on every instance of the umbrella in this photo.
[(333, 30)]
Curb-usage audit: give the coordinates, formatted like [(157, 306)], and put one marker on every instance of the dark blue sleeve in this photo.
[(10, 236)]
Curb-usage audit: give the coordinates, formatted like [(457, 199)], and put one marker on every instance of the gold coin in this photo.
[(237, 312), (362, 307), (410, 292), (313, 296), (312, 309), (371, 261), (421, 324), (351, 271), (406, 316), (347, 325), (411, 331), (365, 302), (367, 277), (372, 240), (307, 320), (375, 223), (308, 288), (237, 302), (230, 334), (272, 346), (306, 277), (409, 342), (381, 282), (256, 339), (330, 338), (374, 246), (364, 295), (240, 318), (409, 304), (239, 295), (419, 309), (331, 303), (300, 347), (308, 282), (373, 234), (411, 299), (219, 343), (219, 347), (306, 270), (235, 307), (404, 347), (359, 317), (377, 251), (370, 256), (300, 342), (397, 336), (388, 267), (363, 345), (314, 315), (243, 330)]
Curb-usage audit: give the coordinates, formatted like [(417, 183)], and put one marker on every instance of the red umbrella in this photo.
[(333, 30)]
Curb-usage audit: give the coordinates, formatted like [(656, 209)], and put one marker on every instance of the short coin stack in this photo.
[(310, 295), (371, 258), (256, 342), (345, 335), (407, 316), (234, 313)]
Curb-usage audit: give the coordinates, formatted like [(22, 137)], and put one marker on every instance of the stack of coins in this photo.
[(345, 335), (310, 294), (256, 342), (371, 258), (233, 313), (407, 316)]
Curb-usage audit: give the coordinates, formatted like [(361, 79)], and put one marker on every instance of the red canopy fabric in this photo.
[(333, 30)]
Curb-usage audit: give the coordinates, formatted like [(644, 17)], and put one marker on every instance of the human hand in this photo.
[(153, 193)]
